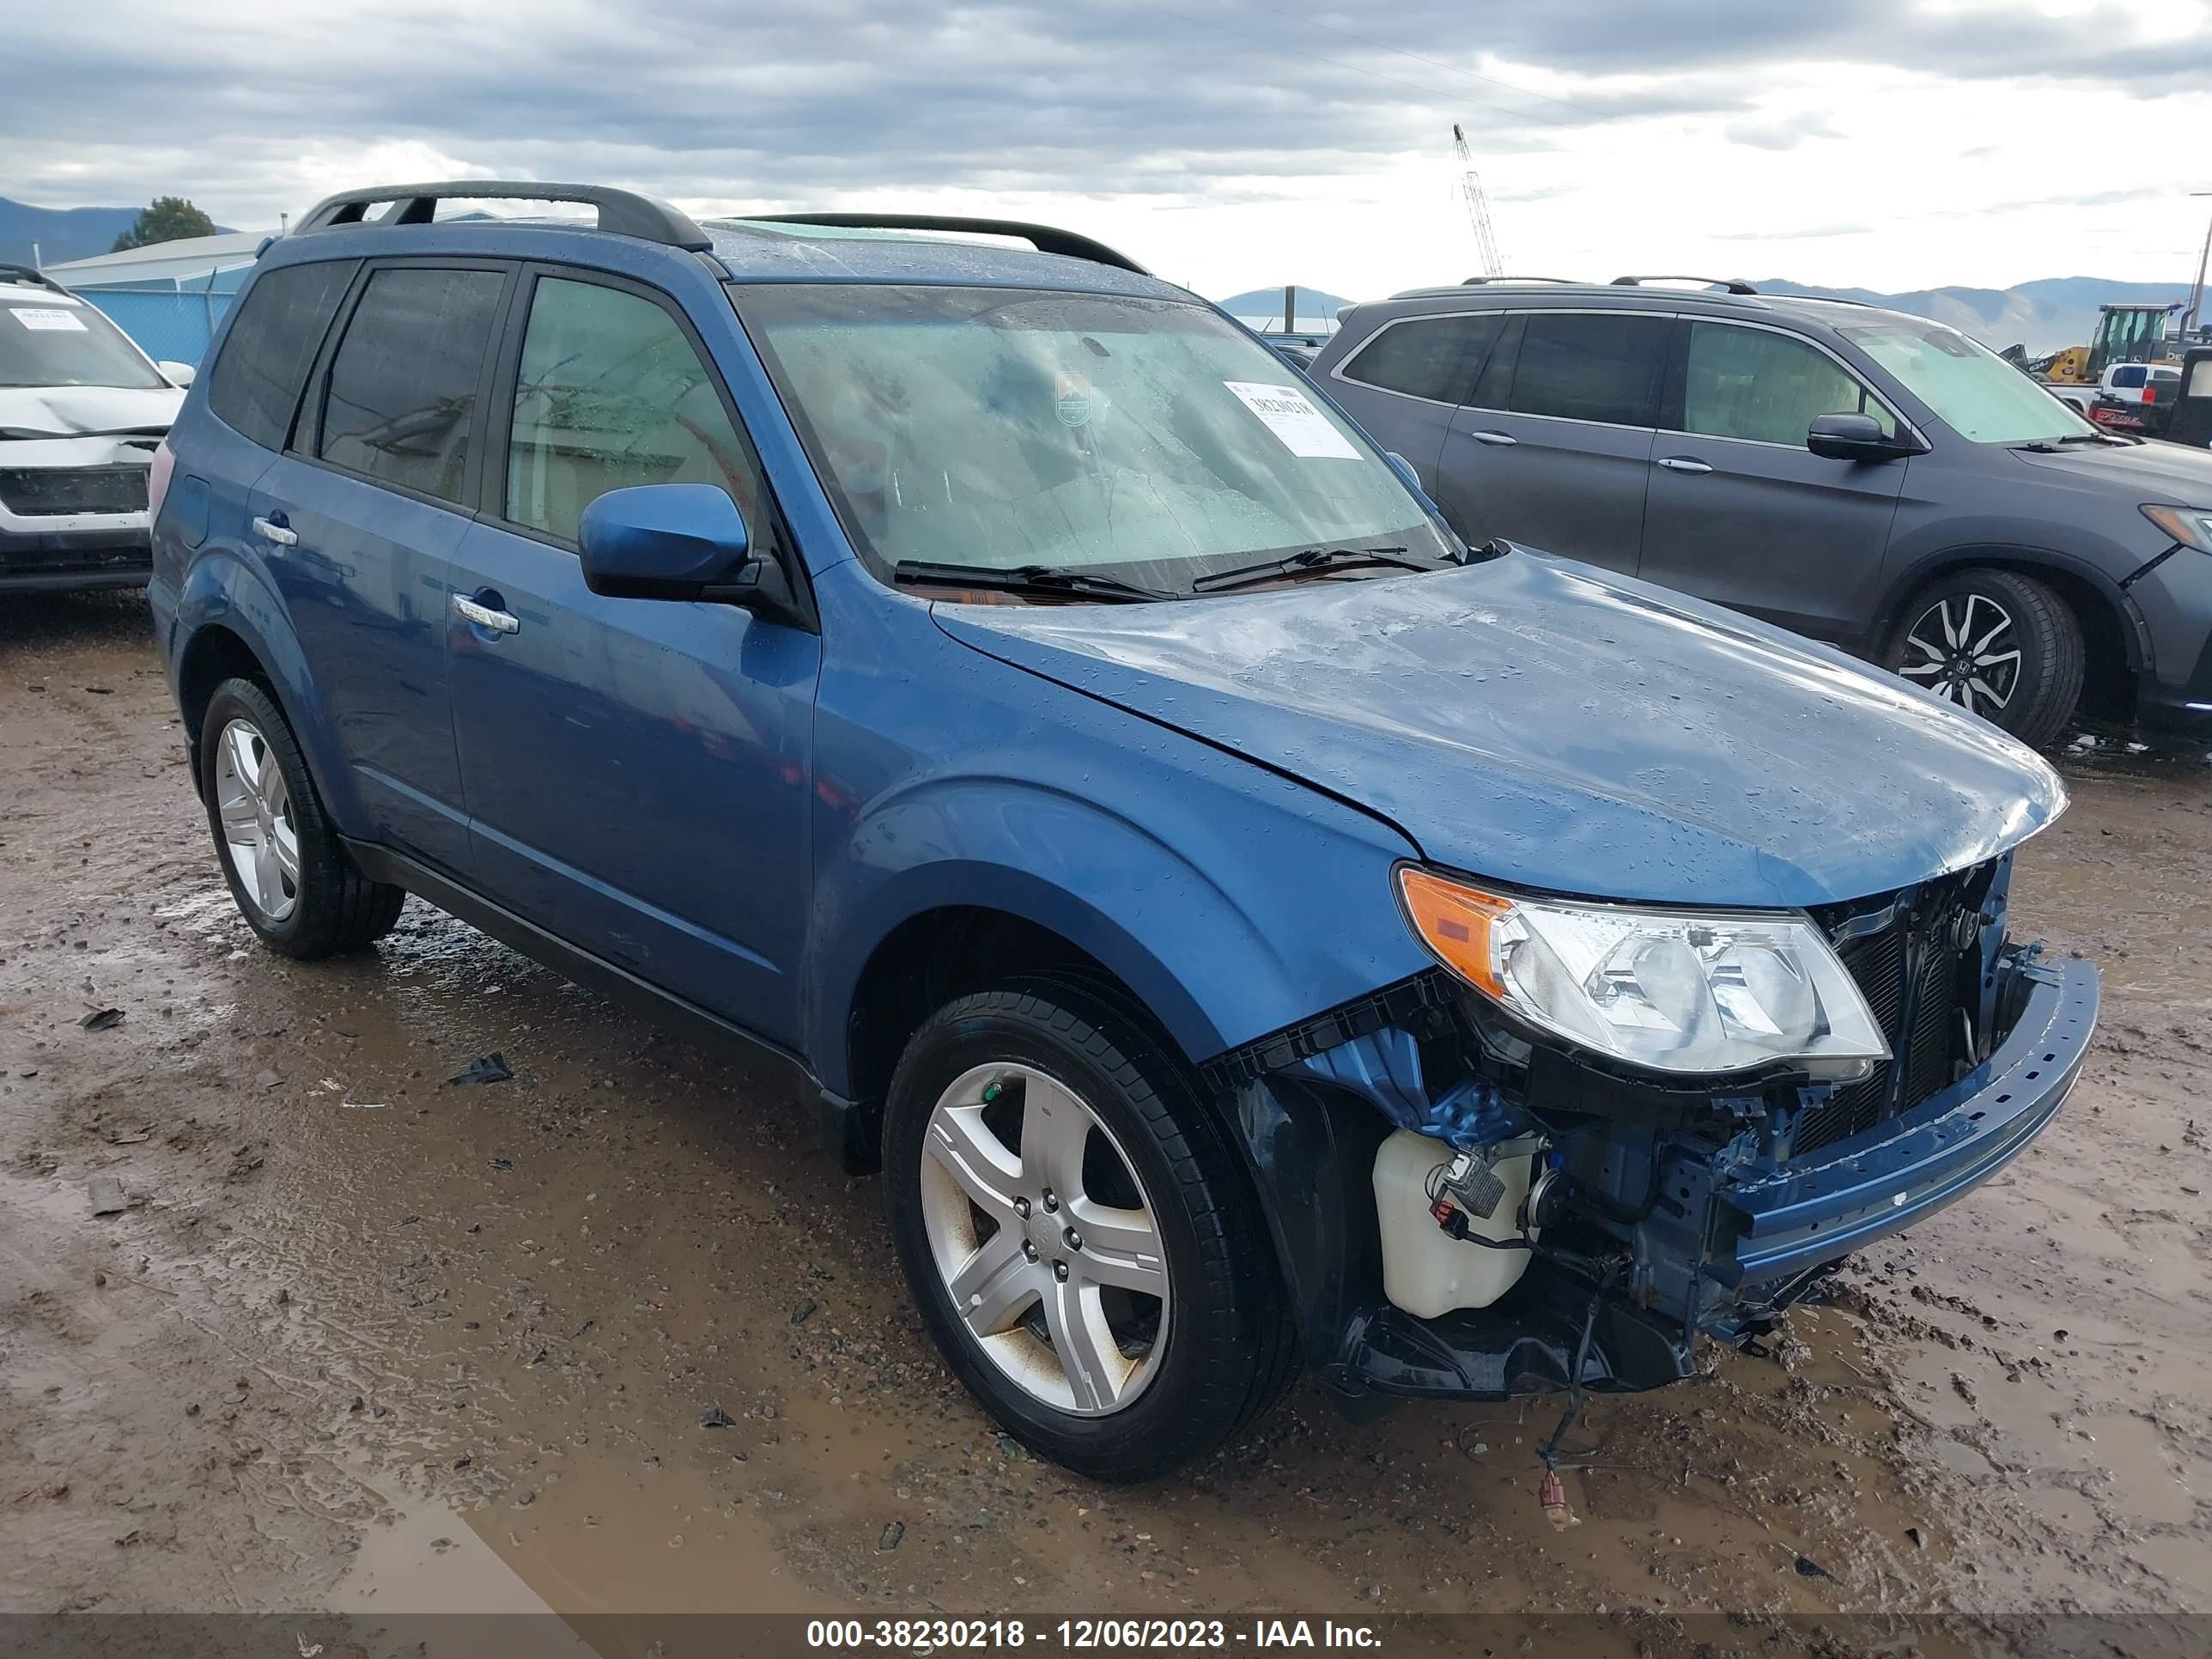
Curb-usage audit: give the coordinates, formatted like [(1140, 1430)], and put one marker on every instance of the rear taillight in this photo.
[(157, 479), (2150, 394)]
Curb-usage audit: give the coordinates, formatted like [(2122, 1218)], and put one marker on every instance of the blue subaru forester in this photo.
[(1250, 930)]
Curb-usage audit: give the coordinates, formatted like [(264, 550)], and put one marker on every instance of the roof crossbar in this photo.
[(1733, 284), (622, 212), (1045, 239)]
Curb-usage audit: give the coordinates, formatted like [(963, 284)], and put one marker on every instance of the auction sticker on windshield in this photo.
[(48, 317), (1303, 429)]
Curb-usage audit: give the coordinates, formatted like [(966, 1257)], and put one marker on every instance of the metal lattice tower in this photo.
[(1478, 205)]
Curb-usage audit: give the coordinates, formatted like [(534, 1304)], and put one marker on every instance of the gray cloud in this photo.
[(1785, 132), (781, 102)]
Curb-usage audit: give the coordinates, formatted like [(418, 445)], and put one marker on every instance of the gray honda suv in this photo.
[(1869, 478)]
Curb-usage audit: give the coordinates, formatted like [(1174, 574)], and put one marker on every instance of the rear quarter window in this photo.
[(255, 384), (1431, 357)]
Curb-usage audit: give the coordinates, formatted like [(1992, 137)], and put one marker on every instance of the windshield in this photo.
[(1975, 393), (1147, 438), (53, 340)]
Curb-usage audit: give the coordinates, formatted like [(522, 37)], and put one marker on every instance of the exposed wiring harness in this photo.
[(1551, 1452)]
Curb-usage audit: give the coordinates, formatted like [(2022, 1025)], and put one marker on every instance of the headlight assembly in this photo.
[(2190, 525), (1671, 990)]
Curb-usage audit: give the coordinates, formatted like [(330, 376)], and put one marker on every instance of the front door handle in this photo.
[(1682, 463), (500, 622), (275, 534), (1503, 440)]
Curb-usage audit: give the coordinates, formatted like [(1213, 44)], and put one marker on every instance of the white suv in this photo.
[(82, 412)]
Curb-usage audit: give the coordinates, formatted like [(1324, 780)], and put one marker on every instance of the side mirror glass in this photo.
[(177, 374), (668, 542), (1855, 438)]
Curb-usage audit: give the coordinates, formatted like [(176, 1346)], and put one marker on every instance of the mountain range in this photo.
[(2041, 315), (60, 232)]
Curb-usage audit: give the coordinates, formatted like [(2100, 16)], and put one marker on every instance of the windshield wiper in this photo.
[(1312, 562), (1046, 579), (2055, 446)]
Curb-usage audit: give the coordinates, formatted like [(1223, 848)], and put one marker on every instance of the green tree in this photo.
[(171, 218)]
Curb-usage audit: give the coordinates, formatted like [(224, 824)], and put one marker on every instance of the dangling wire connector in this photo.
[(1553, 1495)]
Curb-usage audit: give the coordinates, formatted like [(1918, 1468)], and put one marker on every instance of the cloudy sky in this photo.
[(1227, 143)]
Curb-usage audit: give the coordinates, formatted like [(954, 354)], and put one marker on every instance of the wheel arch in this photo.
[(228, 621), (2117, 644)]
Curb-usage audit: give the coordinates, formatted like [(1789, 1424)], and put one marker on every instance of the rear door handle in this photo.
[(500, 622), (275, 534), (1682, 463), (1503, 440)]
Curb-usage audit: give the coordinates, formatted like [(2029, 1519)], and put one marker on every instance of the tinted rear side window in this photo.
[(1591, 366), (1431, 357), (255, 384), (403, 390)]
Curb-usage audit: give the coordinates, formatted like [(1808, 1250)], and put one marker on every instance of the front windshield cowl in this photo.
[(1135, 440)]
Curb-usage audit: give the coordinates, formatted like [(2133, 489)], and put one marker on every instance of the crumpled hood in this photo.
[(64, 411), (2145, 471), (1553, 726)]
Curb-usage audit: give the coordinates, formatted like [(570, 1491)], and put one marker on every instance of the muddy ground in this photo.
[(363, 1341)]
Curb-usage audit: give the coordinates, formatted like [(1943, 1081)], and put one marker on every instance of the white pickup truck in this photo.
[(2121, 385)]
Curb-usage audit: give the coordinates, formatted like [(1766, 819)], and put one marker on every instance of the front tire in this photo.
[(1999, 644), (289, 874), (1078, 1234)]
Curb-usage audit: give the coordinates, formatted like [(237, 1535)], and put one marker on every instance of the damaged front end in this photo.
[(1469, 1207)]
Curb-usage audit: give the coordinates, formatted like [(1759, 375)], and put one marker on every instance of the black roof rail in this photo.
[(1733, 284), (1045, 239), (1478, 281), (15, 273), (622, 212)]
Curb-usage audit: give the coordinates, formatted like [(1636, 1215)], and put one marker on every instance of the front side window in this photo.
[(1754, 384), (1591, 366), (1431, 357), (53, 339), (1147, 438), (402, 386), (1971, 390), (611, 394)]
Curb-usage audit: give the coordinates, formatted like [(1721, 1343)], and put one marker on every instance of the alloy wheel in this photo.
[(1044, 1239), (1964, 650), (258, 827)]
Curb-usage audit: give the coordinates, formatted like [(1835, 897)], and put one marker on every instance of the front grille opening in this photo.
[(32, 492)]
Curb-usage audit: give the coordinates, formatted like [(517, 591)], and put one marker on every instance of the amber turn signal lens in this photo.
[(1454, 922)]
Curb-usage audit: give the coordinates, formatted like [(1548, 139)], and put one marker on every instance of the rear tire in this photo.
[(1999, 644), (1158, 1380), (289, 875)]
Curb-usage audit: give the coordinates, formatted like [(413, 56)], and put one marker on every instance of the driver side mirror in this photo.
[(1856, 438), (671, 542), (177, 374)]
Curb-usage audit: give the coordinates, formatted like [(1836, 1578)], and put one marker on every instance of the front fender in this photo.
[(1222, 943), (1230, 899), (224, 589)]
